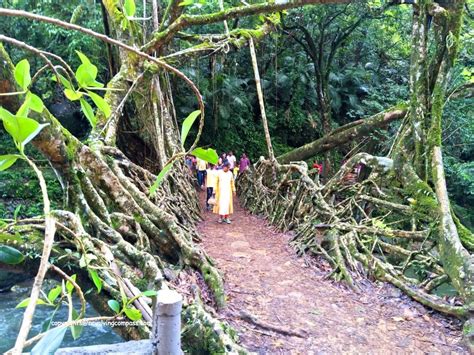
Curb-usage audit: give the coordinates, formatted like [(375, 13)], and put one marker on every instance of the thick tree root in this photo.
[(339, 221), (133, 241)]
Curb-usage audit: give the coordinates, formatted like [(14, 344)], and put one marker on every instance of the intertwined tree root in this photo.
[(132, 240), (379, 227)]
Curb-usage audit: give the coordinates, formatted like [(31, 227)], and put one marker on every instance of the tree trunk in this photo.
[(261, 101), (343, 135)]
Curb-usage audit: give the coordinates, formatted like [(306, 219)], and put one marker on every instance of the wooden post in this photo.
[(166, 334)]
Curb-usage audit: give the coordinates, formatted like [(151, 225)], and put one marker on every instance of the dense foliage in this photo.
[(369, 72)]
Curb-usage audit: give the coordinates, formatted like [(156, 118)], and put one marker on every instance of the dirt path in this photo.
[(264, 278)]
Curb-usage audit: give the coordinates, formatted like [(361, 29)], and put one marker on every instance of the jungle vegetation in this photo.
[(99, 100)]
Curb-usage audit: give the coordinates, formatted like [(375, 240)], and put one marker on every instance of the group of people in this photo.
[(219, 181)]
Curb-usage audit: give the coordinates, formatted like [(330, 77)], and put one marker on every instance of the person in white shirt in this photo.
[(211, 181), (232, 160)]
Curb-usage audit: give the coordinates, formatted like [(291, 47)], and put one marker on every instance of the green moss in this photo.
[(425, 202), (434, 136), (215, 284), (203, 335), (466, 236)]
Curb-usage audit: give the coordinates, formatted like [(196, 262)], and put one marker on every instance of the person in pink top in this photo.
[(244, 163)]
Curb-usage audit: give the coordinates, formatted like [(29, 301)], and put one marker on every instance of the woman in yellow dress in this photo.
[(225, 189)]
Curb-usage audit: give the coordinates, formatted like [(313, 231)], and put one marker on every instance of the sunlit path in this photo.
[(265, 280)]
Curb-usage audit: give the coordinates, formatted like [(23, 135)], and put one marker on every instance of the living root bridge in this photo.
[(367, 228)]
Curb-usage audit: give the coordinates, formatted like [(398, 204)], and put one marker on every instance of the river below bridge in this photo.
[(10, 320)]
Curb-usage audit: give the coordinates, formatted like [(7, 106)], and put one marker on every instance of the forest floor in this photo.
[(269, 291)]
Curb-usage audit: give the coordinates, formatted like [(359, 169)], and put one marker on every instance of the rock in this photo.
[(240, 244), (10, 279)]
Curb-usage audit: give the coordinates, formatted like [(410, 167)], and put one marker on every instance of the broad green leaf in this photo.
[(10, 256), (209, 155), (114, 305), (72, 95), (129, 8), (100, 103), (159, 178), (8, 160), (187, 124), (69, 285), (96, 279), (88, 112), (22, 129), (22, 74), (76, 330), (86, 74), (26, 302), (54, 293), (6, 115), (149, 293), (50, 342), (34, 102), (83, 58), (64, 81), (133, 313), (186, 3)]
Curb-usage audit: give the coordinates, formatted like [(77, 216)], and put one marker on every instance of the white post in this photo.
[(167, 323)]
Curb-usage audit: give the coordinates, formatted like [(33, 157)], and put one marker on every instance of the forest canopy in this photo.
[(102, 100)]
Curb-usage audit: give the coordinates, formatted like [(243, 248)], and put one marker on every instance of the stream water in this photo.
[(10, 320)]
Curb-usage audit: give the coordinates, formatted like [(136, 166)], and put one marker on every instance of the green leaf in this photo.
[(95, 84), (129, 8), (10, 256), (209, 155), (16, 212), (22, 74), (149, 293), (88, 112), (159, 178), (186, 3), (72, 94), (86, 74), (114, 305), (187, 124), (22, 129), (64, 81), (8, 160), (69, 285), (54, 293), (50, 342), (83, 58), (100, 103), (96, 279), (26, 301), (133, 313), (34, 102), (76, 330)]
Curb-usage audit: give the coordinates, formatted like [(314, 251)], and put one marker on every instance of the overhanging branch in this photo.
[(184, 21), (352, 131)]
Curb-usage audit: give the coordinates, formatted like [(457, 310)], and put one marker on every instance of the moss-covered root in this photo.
[(468, 332), (203, 334)]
